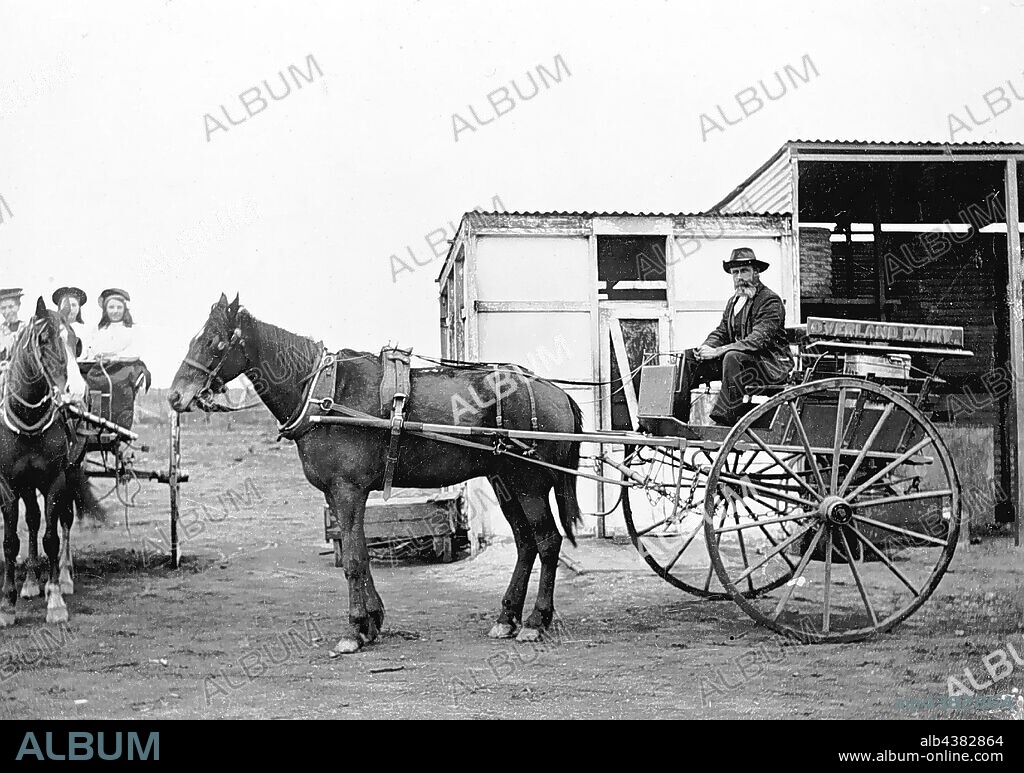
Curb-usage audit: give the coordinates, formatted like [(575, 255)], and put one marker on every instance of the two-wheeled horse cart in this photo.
[(105, 448), (805, 511)]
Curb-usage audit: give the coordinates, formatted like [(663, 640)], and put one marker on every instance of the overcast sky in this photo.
[(109, 175)]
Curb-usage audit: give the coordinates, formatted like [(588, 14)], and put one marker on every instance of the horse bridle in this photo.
[(30, 337), (53, 392), (214, 384)]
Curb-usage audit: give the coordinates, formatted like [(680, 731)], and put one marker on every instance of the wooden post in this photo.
[(595, 369), (1016, 321), (880, 276), (172, 475)]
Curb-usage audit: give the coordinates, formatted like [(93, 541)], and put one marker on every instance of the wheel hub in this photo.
[(836, 510)]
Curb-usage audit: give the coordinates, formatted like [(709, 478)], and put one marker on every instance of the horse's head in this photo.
[(216, 355), (43, 353)]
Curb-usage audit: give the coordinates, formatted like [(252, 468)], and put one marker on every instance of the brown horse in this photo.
[(346, 463), (34, 456)]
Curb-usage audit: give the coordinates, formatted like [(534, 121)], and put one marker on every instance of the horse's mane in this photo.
[(274, 338)]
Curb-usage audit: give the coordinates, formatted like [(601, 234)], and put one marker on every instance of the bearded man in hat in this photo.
[(69, 300), (10, 325), (748, 348)]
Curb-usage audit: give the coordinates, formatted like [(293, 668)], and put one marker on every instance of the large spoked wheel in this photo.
[(863, 528), (665, 520)]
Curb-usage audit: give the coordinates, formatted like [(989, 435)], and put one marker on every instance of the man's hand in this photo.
[(708, 352)]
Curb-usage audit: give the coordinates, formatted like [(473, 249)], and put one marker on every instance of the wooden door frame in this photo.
[(616, 311)]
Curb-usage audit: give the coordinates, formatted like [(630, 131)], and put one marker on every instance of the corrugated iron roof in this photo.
[(869, 145), (910, 143), (587, 213)]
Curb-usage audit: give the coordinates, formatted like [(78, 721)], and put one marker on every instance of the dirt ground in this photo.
[(245, 627)]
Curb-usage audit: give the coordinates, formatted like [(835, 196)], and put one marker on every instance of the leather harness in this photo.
[(395, 392), (395, 387), (527, 378)]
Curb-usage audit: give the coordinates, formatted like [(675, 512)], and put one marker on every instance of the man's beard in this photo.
[(747, 291)]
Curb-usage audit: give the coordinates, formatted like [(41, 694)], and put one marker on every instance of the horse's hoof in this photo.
[(31, 590), (57, 615), (67, 587), (529, 634), (372, 632), (347, 646), (56, 610), (6, 619), (502, 631), (377, 619)]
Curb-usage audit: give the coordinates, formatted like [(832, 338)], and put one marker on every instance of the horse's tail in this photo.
[(86, 502), (565, 488)]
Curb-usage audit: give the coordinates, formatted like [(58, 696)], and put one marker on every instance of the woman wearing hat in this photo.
[(114, 338), (70, 301)]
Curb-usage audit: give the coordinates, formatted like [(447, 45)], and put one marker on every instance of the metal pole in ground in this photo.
[(172, 475)]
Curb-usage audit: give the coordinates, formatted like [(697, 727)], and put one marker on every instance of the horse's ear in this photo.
[(233, 308), (40, 307), (223, 300)]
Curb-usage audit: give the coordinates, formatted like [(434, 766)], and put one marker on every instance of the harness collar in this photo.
[(314, 394)]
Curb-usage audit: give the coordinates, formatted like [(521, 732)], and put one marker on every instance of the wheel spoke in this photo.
[(827, 610), (899, 530), (867, 447), (686, 544), (857, 579), (837, 445), (774, 510), (791, 585), (718, 541), (782, 464), (807, 446), (746, 483), (904, 498), (772, 553), (888, 468), (743, 545), (749, 462), (885, 559), (768, 534), (768, 522)]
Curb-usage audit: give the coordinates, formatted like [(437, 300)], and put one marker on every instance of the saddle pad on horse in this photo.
[(113, 387), (395, 385), (395, 379)]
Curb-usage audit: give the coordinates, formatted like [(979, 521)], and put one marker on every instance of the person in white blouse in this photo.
[(70, 300), (114, 338)]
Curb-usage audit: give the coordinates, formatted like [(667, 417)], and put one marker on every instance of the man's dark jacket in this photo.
[(759, 329)]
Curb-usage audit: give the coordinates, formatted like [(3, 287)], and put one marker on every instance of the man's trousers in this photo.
[(736, 370)]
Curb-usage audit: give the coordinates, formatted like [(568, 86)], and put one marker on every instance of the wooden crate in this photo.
[(418, 514)]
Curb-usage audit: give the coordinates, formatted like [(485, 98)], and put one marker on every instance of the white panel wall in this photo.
[(533, 268), (700, 288), (553, 345)]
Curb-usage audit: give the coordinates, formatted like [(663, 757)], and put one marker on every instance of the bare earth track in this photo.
[(244, 628)]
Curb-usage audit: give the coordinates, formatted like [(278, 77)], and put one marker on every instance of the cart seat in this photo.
[(113, 387)]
